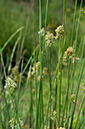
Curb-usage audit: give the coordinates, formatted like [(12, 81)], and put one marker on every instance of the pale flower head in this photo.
[(59, 32), (53, 115), (12, 123), (42, 32), (29, 75), (44, 70), (49, 38), (10, 83), (37, 65), (73, 98), (32, 70), (38, 78), (69, 53)]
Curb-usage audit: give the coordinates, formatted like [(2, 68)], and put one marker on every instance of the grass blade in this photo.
[(77, 93), (6, 43), (12, 54)]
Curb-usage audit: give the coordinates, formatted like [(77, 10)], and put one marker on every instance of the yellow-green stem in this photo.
[(58, 90)]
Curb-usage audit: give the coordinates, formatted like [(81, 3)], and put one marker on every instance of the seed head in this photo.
[(15, 75), (42, 32), (10, 83), (69, 52), (32, 70), (73, 98), (44, 70), (59, 32), (37, 65), (53, 115), (12, 123), (16, 126), (49, 38)]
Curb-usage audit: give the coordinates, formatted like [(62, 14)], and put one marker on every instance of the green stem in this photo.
[(19, 87), (5, 101), (64, 13), (31, 104), (66, 99), (41, 90), (72, 36), (82, 103), (77, 93), (15, 111), (59, 89)]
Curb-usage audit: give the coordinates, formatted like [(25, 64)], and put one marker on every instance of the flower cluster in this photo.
[(49, 38), (42, 32), (73, 98), (15, 75), (68, 54), (12, 80), (32, 70), (11, 84), (35, 69), (59, 32), (14, 124), (53, 115), (44, 70)]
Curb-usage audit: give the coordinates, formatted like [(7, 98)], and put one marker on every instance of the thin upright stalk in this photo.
[(31, 105), (78, 25), (82, 103), (66, 98), (15, 111), (41, 118), (76, 96), (72, 36), (58, 89), (81, 123), (5, 101), (48, 61), (0, 108), (74, 66), (19, 87), (64, 13)]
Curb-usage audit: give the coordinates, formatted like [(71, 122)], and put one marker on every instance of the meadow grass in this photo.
[(38, 94)]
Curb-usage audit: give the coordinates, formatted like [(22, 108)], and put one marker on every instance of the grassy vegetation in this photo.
[(24, 13), (48, 89)]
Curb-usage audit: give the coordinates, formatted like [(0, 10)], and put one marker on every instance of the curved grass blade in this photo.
[(29, 61), (12, 54), (6, 43)]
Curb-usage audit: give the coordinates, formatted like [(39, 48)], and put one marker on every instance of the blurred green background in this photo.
[(15, 14)]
